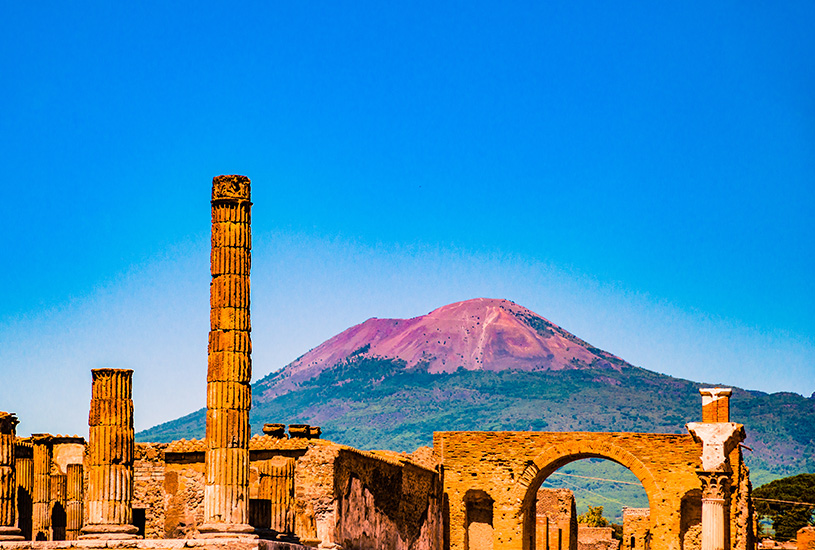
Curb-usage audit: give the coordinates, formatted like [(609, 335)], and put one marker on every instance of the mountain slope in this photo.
[(377, 385), (478, 334)]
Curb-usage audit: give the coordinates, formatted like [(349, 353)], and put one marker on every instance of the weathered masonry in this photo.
[(502, 471)]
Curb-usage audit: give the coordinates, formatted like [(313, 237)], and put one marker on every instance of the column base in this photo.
[(11, 533), (226, 530), (100, 531)]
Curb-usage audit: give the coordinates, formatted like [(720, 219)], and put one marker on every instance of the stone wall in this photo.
[(596, 538), (343, 498), (636, 529), (555, 520), (385, 503), (148, 491)]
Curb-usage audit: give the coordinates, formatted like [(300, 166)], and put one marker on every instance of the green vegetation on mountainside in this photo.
[(374, 403)]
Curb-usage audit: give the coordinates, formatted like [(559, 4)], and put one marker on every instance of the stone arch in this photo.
[(556, 456)]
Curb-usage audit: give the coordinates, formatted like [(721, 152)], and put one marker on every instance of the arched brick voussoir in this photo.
[(555, 456)]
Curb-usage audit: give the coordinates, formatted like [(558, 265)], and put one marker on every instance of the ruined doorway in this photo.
[(479, 534)]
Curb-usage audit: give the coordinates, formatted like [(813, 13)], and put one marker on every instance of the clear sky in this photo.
[(640, 173)]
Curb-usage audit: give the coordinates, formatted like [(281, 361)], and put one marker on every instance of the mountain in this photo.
[(494, 365), (480, 334)]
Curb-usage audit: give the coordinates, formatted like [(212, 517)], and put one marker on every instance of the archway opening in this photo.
[(587, 502)]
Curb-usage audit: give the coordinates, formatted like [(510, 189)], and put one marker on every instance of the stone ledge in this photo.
[(154, 544)]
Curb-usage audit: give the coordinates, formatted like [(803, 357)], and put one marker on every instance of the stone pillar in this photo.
[(718, 440), (110, 457), (59, 490), (24, 465), (8, 483), (229, 373), (73, 507), (41, 500), (715, 510), (715, 404), (281, 495)]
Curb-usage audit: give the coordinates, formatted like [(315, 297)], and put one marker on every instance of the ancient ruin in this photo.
[(291, 489), (555, 520), (229, 394), (110, 456)]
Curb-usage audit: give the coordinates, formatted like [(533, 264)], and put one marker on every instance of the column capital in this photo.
[(231, 188), (715, 485), (715, 392), (718, 439)]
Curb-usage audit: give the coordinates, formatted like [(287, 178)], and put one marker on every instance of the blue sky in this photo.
[(641, 174)]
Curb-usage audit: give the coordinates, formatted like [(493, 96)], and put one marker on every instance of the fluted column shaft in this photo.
[(73, 507), (280, 473), (24, 466), (8, 482), (715, 510), (110, 456), (229, 372), (41, 498), (59, 490)]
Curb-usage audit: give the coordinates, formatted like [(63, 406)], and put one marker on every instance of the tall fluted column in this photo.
[(41, 499), (110, 457), (229, 395), (73, 508), (8, 482), (24, 466)]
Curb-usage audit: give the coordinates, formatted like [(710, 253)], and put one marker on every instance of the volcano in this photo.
[(487, 364), (479, 334)]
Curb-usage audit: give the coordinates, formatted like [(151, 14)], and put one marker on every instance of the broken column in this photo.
[(73, 507), (280, 471), (229, 372), (8, 483), (41, 497), (110, 457), (24, 466), (718, 439)]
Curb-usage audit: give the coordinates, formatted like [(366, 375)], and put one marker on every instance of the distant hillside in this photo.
[(453, 369)]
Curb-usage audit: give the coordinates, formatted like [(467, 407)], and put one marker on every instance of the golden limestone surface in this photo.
[(279, 481), (41, 498), (24, 465), (73, 508), (229, 371), (8, 483), (110, 456)]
